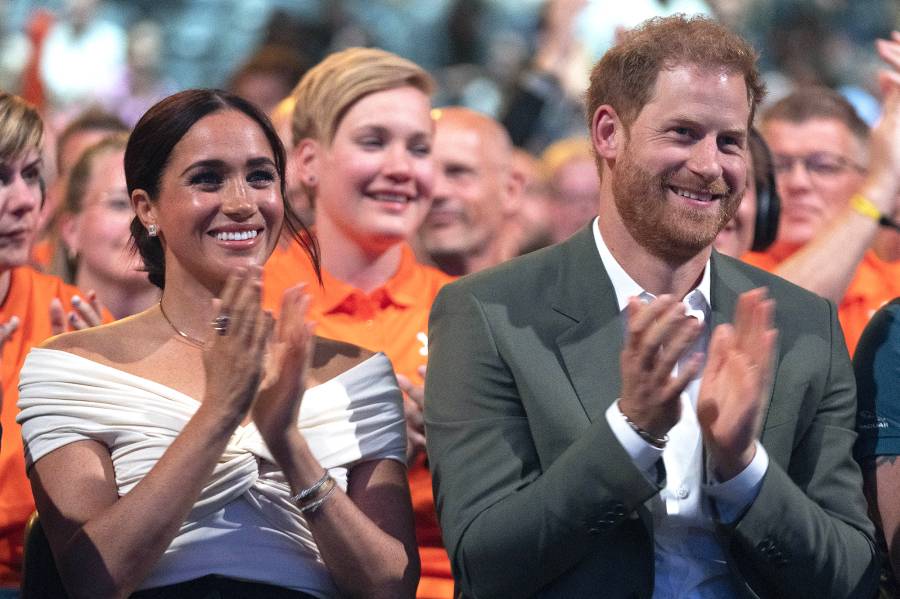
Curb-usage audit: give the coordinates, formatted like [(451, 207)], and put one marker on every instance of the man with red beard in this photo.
[(618, 409)]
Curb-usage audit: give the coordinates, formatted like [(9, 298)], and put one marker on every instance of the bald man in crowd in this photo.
[(476, 194)]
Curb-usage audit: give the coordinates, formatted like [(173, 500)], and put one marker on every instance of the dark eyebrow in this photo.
[(212, 163), (261, 161)]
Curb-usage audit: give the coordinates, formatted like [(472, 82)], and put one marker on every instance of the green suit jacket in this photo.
[(536, 496)]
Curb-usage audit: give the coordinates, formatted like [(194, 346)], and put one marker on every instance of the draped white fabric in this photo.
[(63, 398)]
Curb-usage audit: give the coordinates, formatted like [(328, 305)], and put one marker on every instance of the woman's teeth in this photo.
[(390, 197), (236, 235)]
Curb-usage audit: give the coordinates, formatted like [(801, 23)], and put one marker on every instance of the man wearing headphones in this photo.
[(838, 185), (755, 224)]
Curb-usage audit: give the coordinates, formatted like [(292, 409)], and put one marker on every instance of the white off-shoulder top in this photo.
[(242, 525)]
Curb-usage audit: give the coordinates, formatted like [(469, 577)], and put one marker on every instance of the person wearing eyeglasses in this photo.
[(839, 185)]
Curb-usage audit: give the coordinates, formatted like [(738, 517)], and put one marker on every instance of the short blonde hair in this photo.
[(21, 128), (562, 152), (328, 90)]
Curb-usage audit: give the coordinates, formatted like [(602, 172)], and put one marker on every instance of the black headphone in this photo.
[(768, 204)]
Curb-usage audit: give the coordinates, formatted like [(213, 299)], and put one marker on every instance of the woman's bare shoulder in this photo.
[(105, 343), (331, 358)]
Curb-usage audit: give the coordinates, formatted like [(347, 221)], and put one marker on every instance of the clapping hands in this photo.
[(288, 356), (734, 391)]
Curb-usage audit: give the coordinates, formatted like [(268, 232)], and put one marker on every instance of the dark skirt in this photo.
[(219, 587)]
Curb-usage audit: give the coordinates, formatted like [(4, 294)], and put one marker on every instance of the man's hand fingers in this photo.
[(719, 345), (680, 337), (743, 312), (654, 330), (641, 317), (689, 369)]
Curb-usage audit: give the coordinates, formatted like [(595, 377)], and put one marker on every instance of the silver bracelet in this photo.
[(657, 442), (303, 494), (315, 505)]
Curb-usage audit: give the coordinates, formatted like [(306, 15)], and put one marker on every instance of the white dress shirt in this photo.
[(689, 559)]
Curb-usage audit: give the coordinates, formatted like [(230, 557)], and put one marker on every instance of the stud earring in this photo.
[(152, 230)]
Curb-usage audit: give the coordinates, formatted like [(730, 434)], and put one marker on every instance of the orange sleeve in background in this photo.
[(29, 298), (874, 283)]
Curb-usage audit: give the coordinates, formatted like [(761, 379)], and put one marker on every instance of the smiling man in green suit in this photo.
[(628, 413)]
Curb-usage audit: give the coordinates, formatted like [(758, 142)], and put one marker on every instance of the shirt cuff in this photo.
[(733, 497), (642, 453)]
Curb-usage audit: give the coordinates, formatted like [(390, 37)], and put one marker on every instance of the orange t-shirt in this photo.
[(29, 298), (42, 254), (875, 283), (392, 319)]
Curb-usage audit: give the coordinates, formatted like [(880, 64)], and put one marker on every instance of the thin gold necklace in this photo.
[(192, 340)]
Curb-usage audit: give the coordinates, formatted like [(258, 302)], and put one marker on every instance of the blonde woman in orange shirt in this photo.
[(362, 134)]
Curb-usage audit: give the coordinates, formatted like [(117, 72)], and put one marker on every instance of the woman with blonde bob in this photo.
[(199, 448), (33, 306), (362, 135)]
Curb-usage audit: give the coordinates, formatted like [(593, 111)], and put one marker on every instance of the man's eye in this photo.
[(731, 143), (823, 166)]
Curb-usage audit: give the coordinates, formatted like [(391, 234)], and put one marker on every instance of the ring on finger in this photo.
[(220, 324)]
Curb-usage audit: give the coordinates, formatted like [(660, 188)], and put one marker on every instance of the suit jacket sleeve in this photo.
[(512, 524), (807, 534)]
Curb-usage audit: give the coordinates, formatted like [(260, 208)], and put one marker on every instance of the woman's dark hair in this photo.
[(147, 155)]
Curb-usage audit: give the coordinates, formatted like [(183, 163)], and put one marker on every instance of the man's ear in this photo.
[(305, 156), (143, 207), (607, 132), (514, 188)]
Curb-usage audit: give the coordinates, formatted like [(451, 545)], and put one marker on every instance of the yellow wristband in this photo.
[(863, 205)]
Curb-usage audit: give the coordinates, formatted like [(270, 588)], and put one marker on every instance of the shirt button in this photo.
[(682, 492)]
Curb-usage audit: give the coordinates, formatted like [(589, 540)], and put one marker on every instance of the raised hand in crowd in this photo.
[(85, 314), (413, 409)]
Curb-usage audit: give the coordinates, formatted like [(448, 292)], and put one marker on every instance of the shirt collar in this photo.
[(697, 300), (401, 289)]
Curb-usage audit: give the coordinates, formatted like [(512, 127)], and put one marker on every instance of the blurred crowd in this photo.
[(512, 167)]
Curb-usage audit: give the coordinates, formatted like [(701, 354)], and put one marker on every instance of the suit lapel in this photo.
[(590, 347)]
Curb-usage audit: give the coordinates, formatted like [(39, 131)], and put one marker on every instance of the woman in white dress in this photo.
[(170, 452)]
